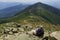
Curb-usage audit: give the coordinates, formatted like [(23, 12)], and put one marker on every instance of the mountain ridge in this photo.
[(11, 10), (37, 11)]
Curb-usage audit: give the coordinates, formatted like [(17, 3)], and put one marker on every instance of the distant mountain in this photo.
[(37, 13), (10, 11), (4, 5), (50, 8)]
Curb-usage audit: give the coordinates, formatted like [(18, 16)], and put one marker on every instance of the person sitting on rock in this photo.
[(40, 32)]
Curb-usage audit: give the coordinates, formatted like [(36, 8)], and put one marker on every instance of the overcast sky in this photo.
[(29, 0), (33, 1), (50, 2)]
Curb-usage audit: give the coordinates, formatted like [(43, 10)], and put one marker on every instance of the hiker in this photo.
[(39, 32)]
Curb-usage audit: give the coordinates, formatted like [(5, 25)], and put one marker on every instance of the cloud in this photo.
[(24, 0), (16, 0), (32, 1)]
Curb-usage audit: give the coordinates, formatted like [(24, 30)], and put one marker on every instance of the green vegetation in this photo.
[(37, 11)]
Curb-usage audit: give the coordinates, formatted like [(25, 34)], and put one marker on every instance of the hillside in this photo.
[(35, 13), (51, 8), (4, 5), (11, 11)]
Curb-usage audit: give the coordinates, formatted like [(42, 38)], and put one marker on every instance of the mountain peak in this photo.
[(38, 3)]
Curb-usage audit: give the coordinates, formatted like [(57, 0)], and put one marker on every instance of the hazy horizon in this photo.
[(55, 3)]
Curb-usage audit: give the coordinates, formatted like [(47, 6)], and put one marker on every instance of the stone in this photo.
[(18, 25), (45, 38), (10, 33), (52, 38), (14, 30), (6, 31), (56, 35), (21, 29), (49, 38), (32, 32)]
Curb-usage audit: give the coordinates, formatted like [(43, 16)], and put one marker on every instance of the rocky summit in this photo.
[(27, 32)]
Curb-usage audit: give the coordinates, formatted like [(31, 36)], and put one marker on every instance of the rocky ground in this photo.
[(25, 32)]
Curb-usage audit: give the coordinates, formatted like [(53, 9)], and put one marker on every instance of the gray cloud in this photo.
[(55, 3), (27, 0)]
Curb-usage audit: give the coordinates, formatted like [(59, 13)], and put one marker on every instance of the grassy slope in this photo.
[(35, 11)]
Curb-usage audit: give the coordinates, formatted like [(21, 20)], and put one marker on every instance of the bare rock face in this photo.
[(55, 34), (22, 36), (15, 31), (32, 32), (49, 38)]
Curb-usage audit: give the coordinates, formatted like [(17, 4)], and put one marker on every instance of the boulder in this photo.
[(52, 38), (45, 38), (49, 38), (14, 30), (18, 25), (56, 35), (32, 32), (6, 31), (21, 29), (10, 33)]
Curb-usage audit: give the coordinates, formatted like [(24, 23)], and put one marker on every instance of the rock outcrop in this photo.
[(55, 34)]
